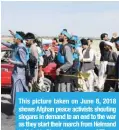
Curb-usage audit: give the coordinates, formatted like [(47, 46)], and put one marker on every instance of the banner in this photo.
[(62, 111)]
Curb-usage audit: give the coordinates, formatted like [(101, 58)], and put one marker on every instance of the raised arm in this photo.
[(9, 45)]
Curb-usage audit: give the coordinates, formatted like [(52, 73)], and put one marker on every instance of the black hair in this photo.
[(84, 41), (68, 40), (72, 42), (55, 39), (90, 39), (29, 36), (39, 43), (103, 35)]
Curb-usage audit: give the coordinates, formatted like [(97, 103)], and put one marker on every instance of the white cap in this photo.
[(109, 43), (46, 41)]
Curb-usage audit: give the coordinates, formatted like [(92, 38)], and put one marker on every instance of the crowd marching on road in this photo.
[(74, 57)]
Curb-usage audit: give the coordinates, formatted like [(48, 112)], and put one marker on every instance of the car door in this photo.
[(6, 68)]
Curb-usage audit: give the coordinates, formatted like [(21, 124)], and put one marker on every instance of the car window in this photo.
[(5, 54), (2, 54)]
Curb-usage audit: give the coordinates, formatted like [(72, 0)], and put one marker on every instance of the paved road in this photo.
[(7, 121)]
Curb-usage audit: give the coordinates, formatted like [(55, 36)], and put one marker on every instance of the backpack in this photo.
[(31, 66), (75, 55), (60, 57)]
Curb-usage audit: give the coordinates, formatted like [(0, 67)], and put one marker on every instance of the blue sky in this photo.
[(49, 18)]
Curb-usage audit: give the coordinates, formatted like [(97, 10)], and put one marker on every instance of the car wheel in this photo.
[(46, 86)]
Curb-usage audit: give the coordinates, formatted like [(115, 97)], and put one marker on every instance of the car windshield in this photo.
[(5, 54)]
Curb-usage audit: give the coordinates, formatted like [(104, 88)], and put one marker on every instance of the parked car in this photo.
[(6, 68), (6, 71)]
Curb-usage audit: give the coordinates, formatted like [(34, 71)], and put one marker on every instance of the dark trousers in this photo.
[(110, 83)]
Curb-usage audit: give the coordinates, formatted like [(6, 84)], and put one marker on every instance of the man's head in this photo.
[(84, 43), (22, 34), (29, 37), (90, 41), (64, 37), (117, 43), (104, 36), (18, 38), (55, 42)]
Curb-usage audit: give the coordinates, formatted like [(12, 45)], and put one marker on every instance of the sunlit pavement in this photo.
[(7, 121)]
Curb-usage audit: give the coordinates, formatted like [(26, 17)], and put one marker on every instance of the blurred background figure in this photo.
[(110, 71), (114, 37), (117, 64), (55, 42), (90, 42), (103, 60)]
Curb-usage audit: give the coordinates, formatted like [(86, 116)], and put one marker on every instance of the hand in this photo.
[(40, 74), (10, 61), (58, 71), (11, 33)]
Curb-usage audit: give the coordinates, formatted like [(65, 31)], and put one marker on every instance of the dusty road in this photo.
[(7, 121)]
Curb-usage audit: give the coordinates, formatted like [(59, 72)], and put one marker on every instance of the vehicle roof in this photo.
[(5, 48)]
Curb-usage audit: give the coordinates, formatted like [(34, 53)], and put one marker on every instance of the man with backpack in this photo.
[(75, 47), (63, 70), (19, 60)]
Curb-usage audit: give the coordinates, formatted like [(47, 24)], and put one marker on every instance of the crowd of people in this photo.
[(74, 56)]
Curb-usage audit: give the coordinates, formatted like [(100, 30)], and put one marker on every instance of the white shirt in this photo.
[(79, 50), (91, 55)]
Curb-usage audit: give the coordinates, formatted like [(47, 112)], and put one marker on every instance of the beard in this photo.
[(61, 40), (28, 45)]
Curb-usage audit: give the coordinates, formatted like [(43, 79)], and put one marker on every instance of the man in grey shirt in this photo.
[(64, 82)]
